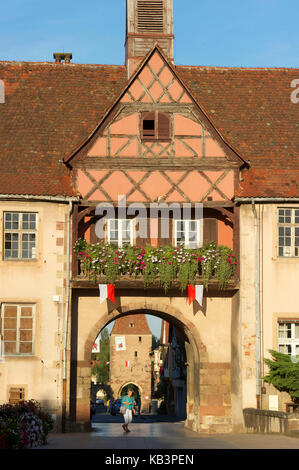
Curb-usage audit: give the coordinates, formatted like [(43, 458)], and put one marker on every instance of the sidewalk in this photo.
[(164, 436)]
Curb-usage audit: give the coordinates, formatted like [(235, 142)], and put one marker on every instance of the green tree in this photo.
[(283, 374), (155, 342), (102, 369)]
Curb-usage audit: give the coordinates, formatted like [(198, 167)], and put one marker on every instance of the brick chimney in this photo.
[(148, 22), (62, 56)]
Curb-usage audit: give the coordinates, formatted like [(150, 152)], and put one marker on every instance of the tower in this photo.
[(148, 22), (130, 345)]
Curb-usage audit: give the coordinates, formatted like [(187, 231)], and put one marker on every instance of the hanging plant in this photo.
[(163, 264)]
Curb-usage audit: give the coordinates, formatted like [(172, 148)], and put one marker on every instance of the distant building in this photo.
[(130, 345), (174, 369)]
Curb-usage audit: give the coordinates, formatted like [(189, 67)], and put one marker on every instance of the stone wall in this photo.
[(265, 421)]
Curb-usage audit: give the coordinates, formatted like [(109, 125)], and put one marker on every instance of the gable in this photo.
[(156, 83), (157, 90), (156, 141)]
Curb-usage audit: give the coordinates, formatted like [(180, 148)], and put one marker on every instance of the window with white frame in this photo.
[(288, 232), (20, 235), (120, 231), (288, 337), (18, 329), (187, 233)]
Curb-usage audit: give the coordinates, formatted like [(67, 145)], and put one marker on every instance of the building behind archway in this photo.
[(130, 345)]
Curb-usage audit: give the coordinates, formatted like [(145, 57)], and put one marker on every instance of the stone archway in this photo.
[(209, 393), (96, 387), (129, 383)]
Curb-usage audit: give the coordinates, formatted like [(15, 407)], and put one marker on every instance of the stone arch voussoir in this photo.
[(156, 308)]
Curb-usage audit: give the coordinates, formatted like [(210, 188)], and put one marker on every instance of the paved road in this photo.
[(163, 435)]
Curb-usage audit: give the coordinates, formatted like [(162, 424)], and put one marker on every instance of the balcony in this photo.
[(148, 267)]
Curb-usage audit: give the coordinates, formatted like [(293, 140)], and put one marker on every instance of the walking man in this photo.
[(128, 403)]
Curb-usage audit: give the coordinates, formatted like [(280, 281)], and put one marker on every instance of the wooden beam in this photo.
[(126, 282)]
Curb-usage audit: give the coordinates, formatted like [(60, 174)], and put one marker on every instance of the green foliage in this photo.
[(283, 374), (163, 264), (155, 342), (101, 370)]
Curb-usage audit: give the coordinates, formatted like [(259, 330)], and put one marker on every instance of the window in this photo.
[(120, 231), (155, 125), (140, 339), (288, 337), (16, 395), (288, 232), (131, 325), (20, 233), (187, 233), (136, 354), (18, 329)]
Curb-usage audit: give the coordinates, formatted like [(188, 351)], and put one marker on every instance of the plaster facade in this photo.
[(35, 282), (277, 300)]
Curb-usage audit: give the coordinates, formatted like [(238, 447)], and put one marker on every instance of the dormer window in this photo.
[(155, 125)]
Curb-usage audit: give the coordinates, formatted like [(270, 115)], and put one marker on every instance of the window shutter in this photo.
[(165, 241), (163, 126), (93, 233), (148, 124), (144, 241), (210, 230), (16, 395)]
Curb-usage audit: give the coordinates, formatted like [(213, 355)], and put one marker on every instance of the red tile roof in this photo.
[(252, 108), (122, 325), (50, 108)]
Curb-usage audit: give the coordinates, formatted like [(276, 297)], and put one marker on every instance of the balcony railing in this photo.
[(156, 267)]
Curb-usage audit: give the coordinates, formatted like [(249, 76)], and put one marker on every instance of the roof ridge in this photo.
[(227, 67), (71, 64)]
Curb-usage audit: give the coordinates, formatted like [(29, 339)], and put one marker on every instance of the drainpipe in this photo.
[(257, 313), (66, 314)]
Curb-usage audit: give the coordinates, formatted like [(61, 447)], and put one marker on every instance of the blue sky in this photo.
[(153, 322), (249, 33)]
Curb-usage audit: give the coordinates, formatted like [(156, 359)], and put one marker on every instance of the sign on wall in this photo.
[(120, 343)]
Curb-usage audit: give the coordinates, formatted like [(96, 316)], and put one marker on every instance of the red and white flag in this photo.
[(127, 363), (107, 292), (195, 293)]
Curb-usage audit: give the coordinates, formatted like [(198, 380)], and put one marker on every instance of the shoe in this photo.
[(128, 430), (124, 427)]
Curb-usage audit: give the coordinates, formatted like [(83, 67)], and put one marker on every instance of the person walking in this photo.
[(128, 402)]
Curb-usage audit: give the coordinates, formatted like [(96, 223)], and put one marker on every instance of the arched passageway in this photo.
[(209, 394)]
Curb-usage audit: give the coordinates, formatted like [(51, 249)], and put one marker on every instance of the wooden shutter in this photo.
[(210, 230), (148, 133), (163, 126), (143, 241), (168, 240), (93, 235), (10, 329), (16, 395)]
